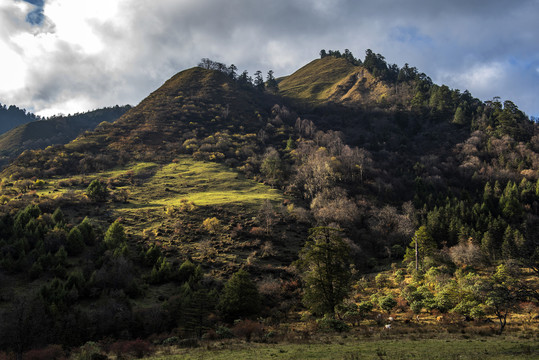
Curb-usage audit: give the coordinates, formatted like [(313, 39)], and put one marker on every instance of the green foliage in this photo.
[(115, 236), (161, 272), (425, 247), (325, 264), (58, 216), (87, 231), (75, 242), (387, 303), (240, 297), (330, 323), (96, 191)]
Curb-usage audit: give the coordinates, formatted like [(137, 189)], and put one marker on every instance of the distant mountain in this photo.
[(12, 116), (39, 134)]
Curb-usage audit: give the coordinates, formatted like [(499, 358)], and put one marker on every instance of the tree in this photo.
[(75, 242), (240, 297), (271, 83), (325, 264), (421, 246), (272, 166), (501, 295), (58, 216), (97, 192), (115, 235), (259, 80)]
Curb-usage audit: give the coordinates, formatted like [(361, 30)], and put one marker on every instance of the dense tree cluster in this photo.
[(242, 79)]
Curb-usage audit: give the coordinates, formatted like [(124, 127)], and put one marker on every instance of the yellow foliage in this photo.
[(212, 224)]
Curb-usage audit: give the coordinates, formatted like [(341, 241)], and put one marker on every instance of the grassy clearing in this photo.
[(204, 183), (339, 348)]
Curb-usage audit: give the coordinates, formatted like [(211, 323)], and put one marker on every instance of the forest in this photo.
[(351, 199)]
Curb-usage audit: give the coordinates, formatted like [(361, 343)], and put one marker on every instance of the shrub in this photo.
[(248, 328), (89, 351), (188, 343), (35, 271), (399, 276), (174, 340), (51, 352), (97, 192), (212, 225), (137, 348), (115, 235), (382, 280), (75, 242), (329, 323), (387, 303), (224, 333)]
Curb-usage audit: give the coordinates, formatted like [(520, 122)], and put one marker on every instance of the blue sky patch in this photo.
[(36, 16), (409, 35)]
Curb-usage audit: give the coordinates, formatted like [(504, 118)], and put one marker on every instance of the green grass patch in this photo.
[(204, 183), (345, 349)]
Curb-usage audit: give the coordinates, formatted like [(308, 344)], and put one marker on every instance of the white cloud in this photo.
[(89, 54)]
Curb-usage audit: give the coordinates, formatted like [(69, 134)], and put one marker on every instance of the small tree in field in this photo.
[(500, 294), (96, 191), (325, 263)]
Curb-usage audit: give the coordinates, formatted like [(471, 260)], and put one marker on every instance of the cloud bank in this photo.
[(63, 56)]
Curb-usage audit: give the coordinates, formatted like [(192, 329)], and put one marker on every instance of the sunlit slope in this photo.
[(316, 81), (336, 80)]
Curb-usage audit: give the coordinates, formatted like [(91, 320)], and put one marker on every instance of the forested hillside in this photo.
[(38, 134), (11, 116), (225, 205)]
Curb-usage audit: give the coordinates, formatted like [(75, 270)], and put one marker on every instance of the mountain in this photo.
[(39, 134), (215, 174), (12, 116)]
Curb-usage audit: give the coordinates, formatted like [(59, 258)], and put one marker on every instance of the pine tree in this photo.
[(325, 264)]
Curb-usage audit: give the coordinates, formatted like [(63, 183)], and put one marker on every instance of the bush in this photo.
[(248, 328), (224, 333), (137, 348), (212, 225), (387, 303), (89, 351), (328, 323), (75, 242), (97, 192), (174, 340), (51, 352), (382, 280), (188, 343)]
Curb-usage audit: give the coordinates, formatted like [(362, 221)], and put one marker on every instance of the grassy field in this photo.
[(203, 183), (349, 349)]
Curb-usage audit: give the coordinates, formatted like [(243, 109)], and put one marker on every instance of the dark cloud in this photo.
[(488, 47)]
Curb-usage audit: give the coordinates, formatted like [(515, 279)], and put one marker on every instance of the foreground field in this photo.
[(349, 349)]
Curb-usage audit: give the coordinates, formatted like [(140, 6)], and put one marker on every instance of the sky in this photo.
[(67, 56)]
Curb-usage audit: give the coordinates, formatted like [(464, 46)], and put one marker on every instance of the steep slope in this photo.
[(56, 130), (317, 81), (336, 80), (193, 104)]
